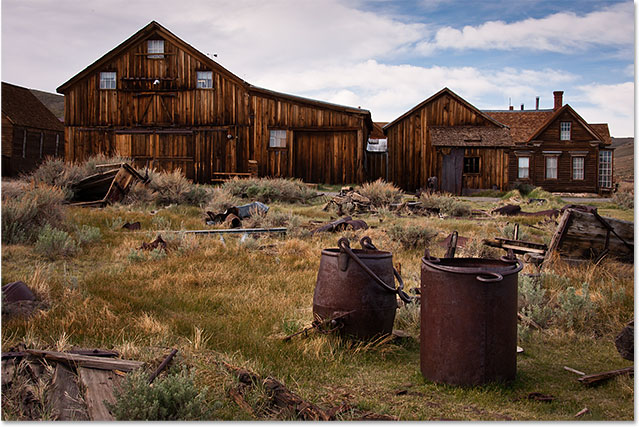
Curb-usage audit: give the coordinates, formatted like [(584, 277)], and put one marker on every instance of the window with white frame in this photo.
[(205, 80), (107, 80), (564, 131), (523, 167), (551, 167), (605, 169), (155, 47), (277, 139), (578, 167)]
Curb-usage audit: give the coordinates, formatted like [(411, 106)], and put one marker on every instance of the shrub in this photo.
[(575, 309), (57, 172), (172, 398), (475, 248), (532, 300), (268, 190), (53, 242), (625, 196), (136, 255), (88, 167), (411, 236), (23, 216), (381, 193), (447, 205), (523, 188), (86, 235), (174, 187), (140, 194), (220, 199)]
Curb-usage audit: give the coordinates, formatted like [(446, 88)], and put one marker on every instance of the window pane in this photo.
[(155, 46), (107, 80), (564, 131), (577, 168), (471, 164), (551, 167), (523, 167), (204, 79), (277, 139), (605, 169)]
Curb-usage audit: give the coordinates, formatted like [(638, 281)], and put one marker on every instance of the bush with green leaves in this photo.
[(411, 236), (533, 302), (268, 190), (24, 215), (174, 397), (174, 187), (447, 205), (87, 235), (381, 193), (52, 243), (575, 310)]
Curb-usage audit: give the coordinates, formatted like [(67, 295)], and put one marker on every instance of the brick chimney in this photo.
[(522, 107), (559, 99), (537, 103), (511, 107)]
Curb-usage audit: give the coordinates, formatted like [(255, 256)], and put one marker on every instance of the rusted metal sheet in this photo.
[(158, 243), (360, 281), (17, 291), (468, 320), (345, 223)]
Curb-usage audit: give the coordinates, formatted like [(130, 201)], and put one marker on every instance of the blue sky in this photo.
[(385, 56)]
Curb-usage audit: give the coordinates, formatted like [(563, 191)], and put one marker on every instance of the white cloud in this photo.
[(562, 32), (612, 104)]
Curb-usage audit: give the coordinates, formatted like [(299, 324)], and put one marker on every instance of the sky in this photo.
[(385, 56)]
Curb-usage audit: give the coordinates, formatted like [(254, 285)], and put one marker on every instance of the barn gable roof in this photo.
[(445, 91), (559, 112), (153, 28), (22, 108)]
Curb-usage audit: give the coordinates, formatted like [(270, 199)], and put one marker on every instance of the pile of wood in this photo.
[(80, 384), (349, 201), (106, 187)]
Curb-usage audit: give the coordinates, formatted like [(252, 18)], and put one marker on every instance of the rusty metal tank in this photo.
[(357, 287), (468, 332)]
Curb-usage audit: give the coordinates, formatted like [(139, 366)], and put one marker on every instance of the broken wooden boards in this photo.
[(583, 234), (106, 187)]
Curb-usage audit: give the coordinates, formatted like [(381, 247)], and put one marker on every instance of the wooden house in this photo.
[(557, 150), (160, 101), (447, 137), (30, 132), (376, 164)]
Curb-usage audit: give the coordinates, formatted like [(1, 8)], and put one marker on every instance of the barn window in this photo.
[(277, 139), (41, 143), (205, 79), (551, 167), (523, 167), (57, 144), (107, 80), (471, 164), (155, 46), (605, 169), (578, 167), (564, 129)]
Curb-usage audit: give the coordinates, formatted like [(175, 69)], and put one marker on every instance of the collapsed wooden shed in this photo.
[(165, 104), (30, 132)]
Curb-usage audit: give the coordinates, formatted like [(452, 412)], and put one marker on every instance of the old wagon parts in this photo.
[(341, 224), (512, 210), (360, 281), (469, 319), (103, 188), (237, 213), (583, 234)]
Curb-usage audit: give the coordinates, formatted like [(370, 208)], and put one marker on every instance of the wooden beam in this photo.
[(99, 387), (602, 376), (89, 361), (65, 396)]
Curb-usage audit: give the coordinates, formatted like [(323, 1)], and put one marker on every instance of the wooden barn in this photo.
[(377, 153), (447, 137), (557, 150), (30, 132), (160, 101)]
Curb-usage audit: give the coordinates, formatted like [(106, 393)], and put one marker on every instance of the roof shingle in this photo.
[(24, 109)]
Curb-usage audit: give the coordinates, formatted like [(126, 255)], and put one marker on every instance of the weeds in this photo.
[(447, 205), (173, 187), (87, 235), (174, 397), (533, 302), (575, 309), (268, 190), (381, 193), (52, 243), (625, 196), (411, 236)]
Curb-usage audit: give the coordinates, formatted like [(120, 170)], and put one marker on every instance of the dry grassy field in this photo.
[(226, 303)]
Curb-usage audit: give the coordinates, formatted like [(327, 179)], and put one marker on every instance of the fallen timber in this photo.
[(518, 246), (231, 231), (583, 234), (103, 188)]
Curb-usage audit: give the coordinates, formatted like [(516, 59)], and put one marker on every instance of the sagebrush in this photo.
[(268, 190)]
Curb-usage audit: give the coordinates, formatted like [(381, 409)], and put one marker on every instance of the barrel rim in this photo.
[(362, 253), (506, 267)]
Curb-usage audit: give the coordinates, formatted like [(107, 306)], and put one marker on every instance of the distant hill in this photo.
[(624, 158), (53, 101)]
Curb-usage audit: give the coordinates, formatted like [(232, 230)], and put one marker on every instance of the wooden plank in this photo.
[(89, 361), (602, 376), (66, 400), (99, 386)]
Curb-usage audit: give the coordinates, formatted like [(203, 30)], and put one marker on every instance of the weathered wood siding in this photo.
[(493, 169), (23, 149), (580, 141), (324, 145), (412, 158), (376, 166)]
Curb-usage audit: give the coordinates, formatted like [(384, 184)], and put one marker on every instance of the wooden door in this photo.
[(452, 168), (144, 109), (215, 152), (312, 158)]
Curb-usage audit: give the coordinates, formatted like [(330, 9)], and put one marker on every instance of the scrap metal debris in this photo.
[(157, 243), (238, 213), (625, 341), (349, 201), (17, 291), (341, 224), (513, 210), (131, 226), (19, 301)]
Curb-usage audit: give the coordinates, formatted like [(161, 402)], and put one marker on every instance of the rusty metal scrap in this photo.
[(513, 210), (341, 224), (157, 243), (240, 212), (17, 291), (131, 226)]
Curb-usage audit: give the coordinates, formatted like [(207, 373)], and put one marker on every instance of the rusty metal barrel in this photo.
[(468, 327), (356, 287)]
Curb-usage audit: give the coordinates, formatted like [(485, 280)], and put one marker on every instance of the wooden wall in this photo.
[(412, 158), (13, 142), (376, 166), (580, 142), (493, 168)]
